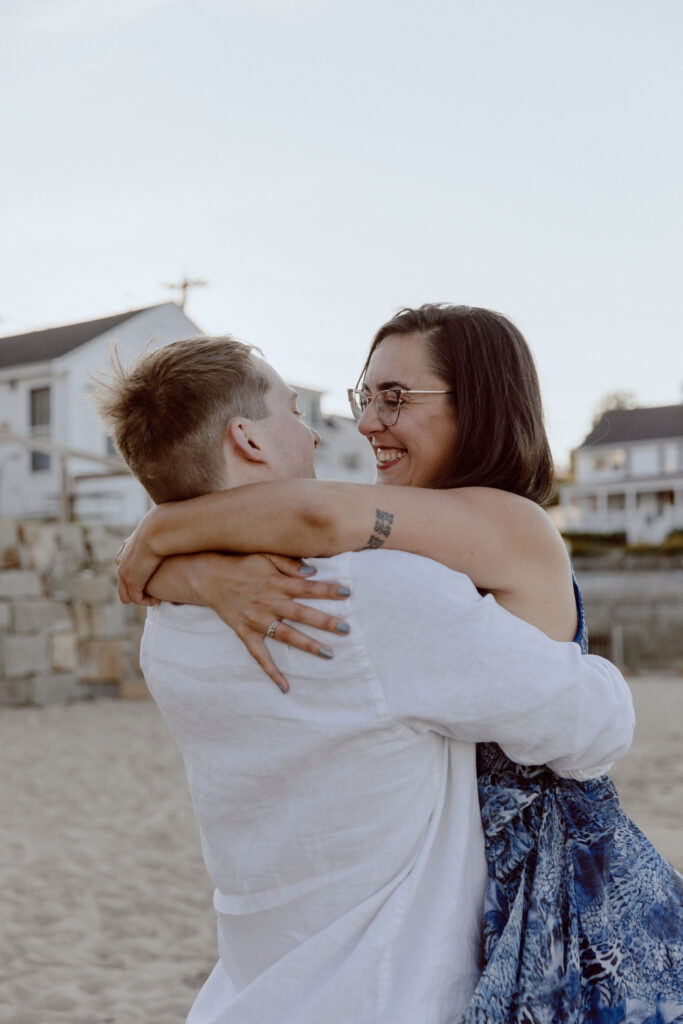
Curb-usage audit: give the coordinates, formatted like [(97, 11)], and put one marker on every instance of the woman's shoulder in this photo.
[(532, 569), (524, 524), (495, 498)]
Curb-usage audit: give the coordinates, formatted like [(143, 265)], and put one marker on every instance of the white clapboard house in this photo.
[(628, 476), (44, 393)]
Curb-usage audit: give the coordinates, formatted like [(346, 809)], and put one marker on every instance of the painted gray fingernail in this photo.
[(342, 627), (307, 570), (325, 652), (344, 592)]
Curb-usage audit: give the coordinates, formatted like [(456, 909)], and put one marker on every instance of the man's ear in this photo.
[(243, 437)]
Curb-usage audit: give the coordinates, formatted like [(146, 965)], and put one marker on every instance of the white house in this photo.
[(343, 453), (628, 476), (44, 393)]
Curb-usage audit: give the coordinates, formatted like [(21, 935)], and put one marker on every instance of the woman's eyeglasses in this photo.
[(387, 403)]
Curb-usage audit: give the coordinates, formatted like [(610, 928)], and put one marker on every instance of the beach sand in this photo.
[(106, 906)]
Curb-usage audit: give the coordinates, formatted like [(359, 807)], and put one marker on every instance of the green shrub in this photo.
[(673, 544), (641, 548), (594, 543)]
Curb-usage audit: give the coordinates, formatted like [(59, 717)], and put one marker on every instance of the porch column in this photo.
[(631, 515)]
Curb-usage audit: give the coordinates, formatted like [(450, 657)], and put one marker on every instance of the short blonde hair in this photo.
[(168, 411)]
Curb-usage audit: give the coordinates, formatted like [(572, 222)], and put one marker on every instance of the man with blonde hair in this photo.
[(341, 826)]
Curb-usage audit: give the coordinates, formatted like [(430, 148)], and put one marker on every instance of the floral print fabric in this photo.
[(583, 917)]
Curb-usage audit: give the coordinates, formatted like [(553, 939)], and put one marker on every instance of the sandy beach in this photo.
[(107, 915)]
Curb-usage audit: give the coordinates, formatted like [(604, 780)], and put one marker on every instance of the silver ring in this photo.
[(272, 627)]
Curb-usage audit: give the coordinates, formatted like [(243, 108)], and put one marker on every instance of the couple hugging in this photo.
[(422, 830)]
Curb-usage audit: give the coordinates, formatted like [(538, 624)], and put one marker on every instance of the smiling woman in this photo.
[(404, 408), (493, 415)]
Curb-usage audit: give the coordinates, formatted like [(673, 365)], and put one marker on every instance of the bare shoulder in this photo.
[(522, 525), (535, 580), (521, 536)]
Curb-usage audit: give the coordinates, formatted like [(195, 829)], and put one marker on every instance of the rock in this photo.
[(55, 688), (40, 542), (83, 620), (9, 545), (71, 543), (20, 583), (63, 648), (23, 654), (33, 616), (102, 661), (108, 619), (94, 589), (103, 543), (14, 692)]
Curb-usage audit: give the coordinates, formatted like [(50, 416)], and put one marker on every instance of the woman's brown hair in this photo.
[(488, 367)]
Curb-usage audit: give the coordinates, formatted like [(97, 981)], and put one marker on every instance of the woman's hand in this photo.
[(137, 563), (251, 593)]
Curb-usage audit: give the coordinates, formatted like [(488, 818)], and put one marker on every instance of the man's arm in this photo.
[(454, 662)]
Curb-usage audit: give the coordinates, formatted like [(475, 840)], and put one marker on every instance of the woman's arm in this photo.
[(504, 543)]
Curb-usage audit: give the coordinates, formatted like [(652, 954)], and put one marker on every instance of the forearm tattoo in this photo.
[(383, 521)]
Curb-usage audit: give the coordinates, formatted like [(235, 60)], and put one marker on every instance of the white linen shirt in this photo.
[(340, 823)]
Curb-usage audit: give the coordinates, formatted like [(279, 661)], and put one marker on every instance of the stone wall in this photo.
[(63, 632), (635, 616)]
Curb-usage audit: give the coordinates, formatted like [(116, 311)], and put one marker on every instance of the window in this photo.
[(610, 460), (670, 457), (110, 447), (40, 407), (616, 502), (644, 461), (39, 419)]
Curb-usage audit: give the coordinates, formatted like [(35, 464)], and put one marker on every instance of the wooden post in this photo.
[(618, 644), (64, 500)]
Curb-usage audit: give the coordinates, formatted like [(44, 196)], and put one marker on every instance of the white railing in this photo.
[(639, 525), (65, 499)]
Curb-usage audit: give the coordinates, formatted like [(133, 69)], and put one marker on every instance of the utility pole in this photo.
[(184, 286)]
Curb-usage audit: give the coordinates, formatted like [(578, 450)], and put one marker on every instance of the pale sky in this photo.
[(322, 162)]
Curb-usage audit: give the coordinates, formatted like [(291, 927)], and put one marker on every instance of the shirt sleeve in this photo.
[(457, 663)]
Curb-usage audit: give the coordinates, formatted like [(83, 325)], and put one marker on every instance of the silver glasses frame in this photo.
[(358, 398)]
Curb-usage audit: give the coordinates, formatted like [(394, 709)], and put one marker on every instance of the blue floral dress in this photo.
[(583, 918)]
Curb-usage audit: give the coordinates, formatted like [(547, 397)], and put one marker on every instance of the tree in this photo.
[(614, 400)]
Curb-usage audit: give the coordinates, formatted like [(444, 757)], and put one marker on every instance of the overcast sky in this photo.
[(322, 162)]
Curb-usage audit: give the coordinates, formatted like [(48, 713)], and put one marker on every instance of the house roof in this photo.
[(52, 342), (619, 426)]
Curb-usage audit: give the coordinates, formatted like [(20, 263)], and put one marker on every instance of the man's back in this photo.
[(340, 824)]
